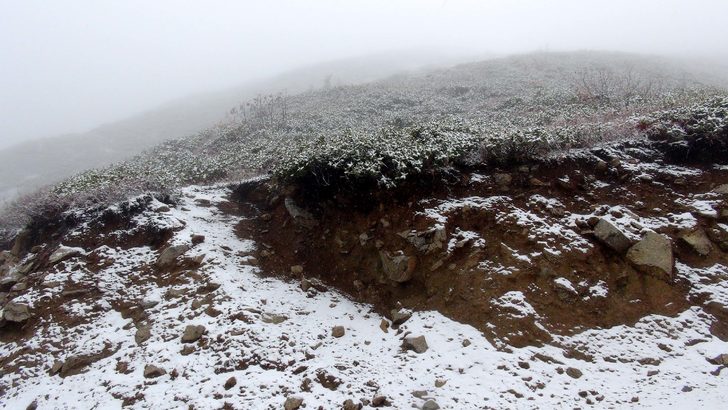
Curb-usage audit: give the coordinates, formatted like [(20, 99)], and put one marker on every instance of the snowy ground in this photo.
[(271, 336)]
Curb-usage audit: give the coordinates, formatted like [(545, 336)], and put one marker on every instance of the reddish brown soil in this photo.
[(331, 250)]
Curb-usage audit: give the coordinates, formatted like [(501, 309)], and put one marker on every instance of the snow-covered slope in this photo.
[(104, 316)]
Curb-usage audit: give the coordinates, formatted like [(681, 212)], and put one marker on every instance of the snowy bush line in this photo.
[(497, 112)]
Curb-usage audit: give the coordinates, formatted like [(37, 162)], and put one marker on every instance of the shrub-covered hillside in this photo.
[(493, 112)]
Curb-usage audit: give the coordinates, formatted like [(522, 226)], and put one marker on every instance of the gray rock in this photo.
[(430, 405), (300, 216), (197, 239), (397, 267), (63, 253), (418, 344), (296, 269), (169, 255), (10, 279), (293, 403), (16, 312), (56, 368), (653, 255), (721, 189), (338, 331), (142, 334), (420, 394), (151, 371), (273, 318), (193, 333), (400, 316), (502, 179), (698, 241), (611, 236)]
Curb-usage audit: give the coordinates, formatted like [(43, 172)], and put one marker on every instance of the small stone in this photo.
[(440, 382), (399, 316), (142, 334), (379, 401), (198, 239), (296, 269), (293, 403), (384, 325), (273, 318), (573, 372), (151, 371), (338, 331), (430, 405), (350, 405), (420, 394), (686, 389), (418, 344), (193, 333), (163, 208), (56, 368), (230, 383), (466, 342)]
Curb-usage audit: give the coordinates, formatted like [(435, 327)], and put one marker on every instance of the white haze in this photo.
[(67, 66)]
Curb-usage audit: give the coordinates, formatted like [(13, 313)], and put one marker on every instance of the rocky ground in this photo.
[(599, 279)]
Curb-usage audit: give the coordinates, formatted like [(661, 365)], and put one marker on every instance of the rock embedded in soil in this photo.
[(399, 316), (63, 253), (296, 269), (197, 239), (397, 267), (612, 236), (418, 344), (698, 242), (653, 255), (193, 333), (16, 312), (169, 255), (151, 371), (293, 403), (273, 318), (338, 331)]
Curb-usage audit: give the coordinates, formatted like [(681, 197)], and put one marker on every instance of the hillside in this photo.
[(29, 166), (539, 231)]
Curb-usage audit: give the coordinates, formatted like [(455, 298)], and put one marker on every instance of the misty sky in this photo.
[(67, 66)]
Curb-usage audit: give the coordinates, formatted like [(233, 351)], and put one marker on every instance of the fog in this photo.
[(72, 65)]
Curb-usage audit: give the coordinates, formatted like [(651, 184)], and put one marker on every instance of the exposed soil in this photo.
[(458, 284)]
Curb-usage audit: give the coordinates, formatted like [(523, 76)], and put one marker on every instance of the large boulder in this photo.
[(653, 255), (612, 236), (397, 267)]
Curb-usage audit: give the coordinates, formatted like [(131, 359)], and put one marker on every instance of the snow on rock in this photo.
[(270, 362)]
